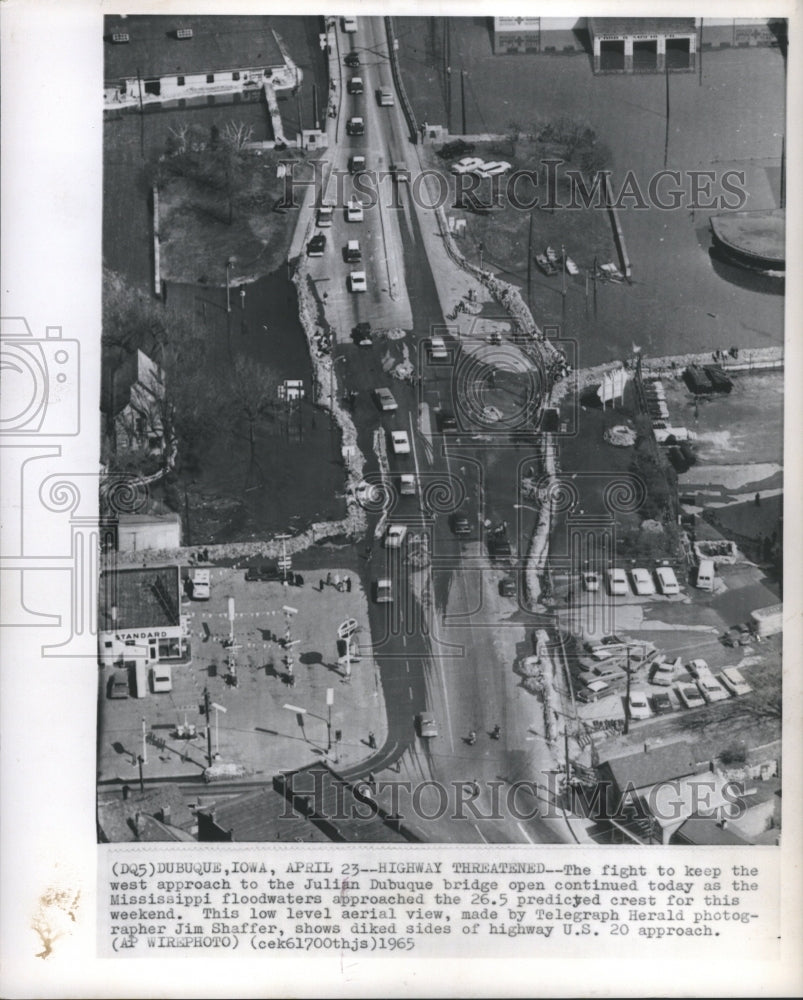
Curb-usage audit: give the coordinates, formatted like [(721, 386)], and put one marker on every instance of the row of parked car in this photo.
[(642, 581)]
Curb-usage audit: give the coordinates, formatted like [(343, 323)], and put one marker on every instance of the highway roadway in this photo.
[(448, 641)]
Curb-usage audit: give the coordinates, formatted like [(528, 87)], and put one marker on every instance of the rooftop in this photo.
[(144, 598), (660, 763), (258, 816), (620, 26), (127, 819), (217, 44)]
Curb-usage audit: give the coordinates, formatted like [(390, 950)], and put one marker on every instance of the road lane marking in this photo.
[(480, 833), (526, 834)]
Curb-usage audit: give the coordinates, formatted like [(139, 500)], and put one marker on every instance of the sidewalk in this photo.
[(252, 726)]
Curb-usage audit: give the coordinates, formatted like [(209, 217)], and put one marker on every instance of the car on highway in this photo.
[(667, 581), (349, 24), (355, 125), (466, 165), (662, 703), (353, 252), (689, 695), (499, 545), (316, 245), (446, 421), (590, 580), (356, 164), (407, 485), (733, 680), (355, 210), (507, 587), (361, 335), (427, 727), (710, 688), (355, 85), (385, 399), (456, 148), (460, 524), (118, 685), (617, 583), (352, 59), (395, 535), (399, 171), (383, 592), (400, 442), (642, 582), (358, 282), (324, 215), (638, 706), (593, 690), (492, 169), (384, 97)]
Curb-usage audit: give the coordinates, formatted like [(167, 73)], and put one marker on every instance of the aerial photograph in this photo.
[(441, 442)]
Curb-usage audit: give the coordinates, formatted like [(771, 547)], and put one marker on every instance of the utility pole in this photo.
[(530, 263), (463, 98), (700, 54), (627, 696), (666, 137), (208, 727), (141, 117)]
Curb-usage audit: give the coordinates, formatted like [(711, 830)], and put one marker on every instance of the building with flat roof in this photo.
[(642, 44), (139, 615), (168, 56)]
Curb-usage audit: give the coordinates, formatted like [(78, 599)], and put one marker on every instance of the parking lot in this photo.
[(251, 726)]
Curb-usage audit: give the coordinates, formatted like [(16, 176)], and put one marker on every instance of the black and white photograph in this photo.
[(399, 499), (442, 430)]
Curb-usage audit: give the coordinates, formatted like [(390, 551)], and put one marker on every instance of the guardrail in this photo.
[(395, 69)]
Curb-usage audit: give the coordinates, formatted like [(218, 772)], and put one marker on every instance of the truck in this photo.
[(767, 621), (140, 678)]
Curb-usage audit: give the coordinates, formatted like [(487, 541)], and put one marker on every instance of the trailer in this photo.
[(767, 621)]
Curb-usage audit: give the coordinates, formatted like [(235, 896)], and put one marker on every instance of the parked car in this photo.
[(662, 703), (355, 85), (507, 587), (456, 148), (663, 674), (446, 421), (594, 690), (263, 574), (642, 582), (590, 581), (316, 245), (118, 685), (710, 688), (355, 126), (427, 727), (201, 584), (400, 442), (689, 695), (617, 583), (385, 399), (460, 524), (696, 666), (395, 535), (738, 635), (383, 591), (734, 681), (466, 165), (667, 581), (638, 706), (493, 168), (358, 281)]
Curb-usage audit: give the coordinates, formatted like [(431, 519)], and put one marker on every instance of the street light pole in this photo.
[(229, 264), (627, 696)]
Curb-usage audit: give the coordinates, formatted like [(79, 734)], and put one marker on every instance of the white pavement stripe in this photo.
[(480, 833), (525, 833)]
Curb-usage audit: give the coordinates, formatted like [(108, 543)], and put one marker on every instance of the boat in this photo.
[(611, 272), (571, 267), (546, 266)]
